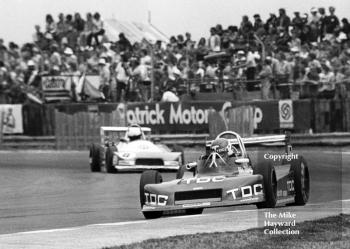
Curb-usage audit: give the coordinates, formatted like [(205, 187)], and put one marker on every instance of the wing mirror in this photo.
[(242, 160)]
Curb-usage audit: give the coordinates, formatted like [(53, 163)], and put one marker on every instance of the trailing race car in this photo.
[(131, 149), (225, 176)]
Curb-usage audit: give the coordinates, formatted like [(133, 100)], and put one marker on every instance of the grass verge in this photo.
[(328, 233)]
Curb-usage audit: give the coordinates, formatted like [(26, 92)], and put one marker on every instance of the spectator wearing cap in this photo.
[(69, 58), (331, 24), (283, 20), (105, 77), (31, 75)]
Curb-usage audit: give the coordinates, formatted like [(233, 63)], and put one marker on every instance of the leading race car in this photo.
[(131, 149), (225, 176)]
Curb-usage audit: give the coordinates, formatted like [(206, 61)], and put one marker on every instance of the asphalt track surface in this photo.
[(45, 193)]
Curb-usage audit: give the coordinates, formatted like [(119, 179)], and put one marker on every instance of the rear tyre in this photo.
[(194, 211), (149, 177), (95, 158), (109, 159), (268, 173), (301, 181)]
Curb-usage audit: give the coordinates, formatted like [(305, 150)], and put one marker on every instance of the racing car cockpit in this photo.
[(226, 154)]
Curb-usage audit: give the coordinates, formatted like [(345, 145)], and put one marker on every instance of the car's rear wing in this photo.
[(263, 140), (122, 128), (104, 129)]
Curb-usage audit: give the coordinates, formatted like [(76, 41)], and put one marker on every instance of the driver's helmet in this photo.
[(134, 133), (220, 146)]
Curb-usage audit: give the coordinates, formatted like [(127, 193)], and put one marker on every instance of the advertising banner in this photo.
[(12, 121), (58, 88), (286, 115), (174, 117)]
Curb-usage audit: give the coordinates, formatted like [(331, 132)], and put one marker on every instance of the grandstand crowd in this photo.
[(284, 54)]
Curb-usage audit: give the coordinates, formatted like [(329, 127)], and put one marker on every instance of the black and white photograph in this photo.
[(192, 124)]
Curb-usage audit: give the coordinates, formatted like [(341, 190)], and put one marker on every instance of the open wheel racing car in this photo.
[(225, 176)]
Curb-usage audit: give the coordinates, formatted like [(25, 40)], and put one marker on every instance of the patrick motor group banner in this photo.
[(193, 116), (174, 117)]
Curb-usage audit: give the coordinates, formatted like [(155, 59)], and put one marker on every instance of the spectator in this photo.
[(246, 28), (345, 28), (38, 37), (331, 24), (271, 22), (124, 43), (283, 20), (214, 42), (143, 74), (105, 77), (298, 22), (97, 30), (78, 23), (121, 74), (265, 76), (258, 23), (202, 49), (321, 22), (170, 95), (327, 82), (89, 29), (51, 27)]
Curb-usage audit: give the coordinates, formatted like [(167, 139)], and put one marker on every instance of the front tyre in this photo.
[(301, 181), (268, 173), (95, 158), (109, 160), (149, 177)]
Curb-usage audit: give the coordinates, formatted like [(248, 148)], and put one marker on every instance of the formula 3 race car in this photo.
[(225, 176), (131, 149)]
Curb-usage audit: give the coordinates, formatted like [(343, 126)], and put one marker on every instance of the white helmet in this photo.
[(134, 132)]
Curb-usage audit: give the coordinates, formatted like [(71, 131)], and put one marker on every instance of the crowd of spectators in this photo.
[(282, 54)]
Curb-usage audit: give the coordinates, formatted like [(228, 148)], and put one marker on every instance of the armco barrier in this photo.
[(25, 142)]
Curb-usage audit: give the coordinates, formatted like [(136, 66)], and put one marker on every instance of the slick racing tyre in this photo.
[(149, 177), (95, 158), (109, 160), (268, 173), (301, 180)]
